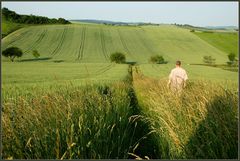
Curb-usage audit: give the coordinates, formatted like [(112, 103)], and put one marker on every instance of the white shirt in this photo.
[(177, 76)]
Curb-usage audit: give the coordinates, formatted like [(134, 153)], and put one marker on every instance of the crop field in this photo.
[(227, 42), (94, 43), (73, 103), (24, 73)]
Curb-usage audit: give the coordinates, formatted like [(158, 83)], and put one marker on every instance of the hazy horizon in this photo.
[(193, 13)]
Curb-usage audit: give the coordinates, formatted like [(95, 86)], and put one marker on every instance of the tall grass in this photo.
[(70, 122), (201, 122), (141, 119)]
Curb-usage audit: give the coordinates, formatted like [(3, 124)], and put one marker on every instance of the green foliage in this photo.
[(12, 52), (63, 21), (118, 57), (231, 57), (192, 30), (30, 19), (157, 59), (9, 27), (208, 60), (35, 53)]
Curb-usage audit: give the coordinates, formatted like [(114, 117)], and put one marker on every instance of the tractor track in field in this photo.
[(60, 42), (138, 70), (104, 69), (155, 68), (110, 35), (103, 44), (81, 46), (142, 41), (124, 44), (19, 37), (36, 43)]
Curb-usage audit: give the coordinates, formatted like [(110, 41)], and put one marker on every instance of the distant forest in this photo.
[(30, 19)]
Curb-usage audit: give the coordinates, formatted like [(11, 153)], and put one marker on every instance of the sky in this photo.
[(193, 13)]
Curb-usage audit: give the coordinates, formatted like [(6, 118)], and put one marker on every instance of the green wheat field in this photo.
[(73, 103)]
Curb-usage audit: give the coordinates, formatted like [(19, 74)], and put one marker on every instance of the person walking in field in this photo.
[(177, 78)]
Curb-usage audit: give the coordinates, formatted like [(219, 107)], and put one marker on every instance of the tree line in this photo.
[(31, 19)]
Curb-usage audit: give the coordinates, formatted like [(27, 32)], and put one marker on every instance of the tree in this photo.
[(158, 59), (208, 60), (63, 21), (12, 52), (6, 12), (118, 57), (35, 53), (30, 19), (232, 59)]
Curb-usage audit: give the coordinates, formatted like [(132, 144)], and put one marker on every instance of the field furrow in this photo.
[(81, 46), (37, 42), (155, 67), (143, 41), (104, 69), (123, 43), (18, 36), (61, 41), (104, 51)]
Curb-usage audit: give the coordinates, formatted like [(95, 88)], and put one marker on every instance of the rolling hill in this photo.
[(9, 27), (11, 21), (227, 42), (73, 103), (94, 43)]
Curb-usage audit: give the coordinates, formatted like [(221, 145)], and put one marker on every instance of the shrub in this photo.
[(157, 59), (35, 53), (209, 60), (12, 52), (118, 57), (232, 59), (231, 56)]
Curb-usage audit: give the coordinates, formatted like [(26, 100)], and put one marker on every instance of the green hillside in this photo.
[(94, 43), (225, 41), (8, 27), (11, 21)]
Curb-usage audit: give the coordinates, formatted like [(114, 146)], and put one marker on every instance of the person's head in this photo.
[(178, 63)]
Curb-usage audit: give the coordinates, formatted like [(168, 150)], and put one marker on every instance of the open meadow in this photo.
[(74, 103)]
